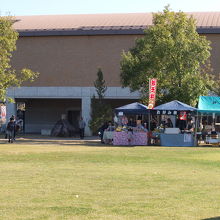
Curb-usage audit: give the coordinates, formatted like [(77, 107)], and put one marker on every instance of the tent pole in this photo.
[(195, 132), (213, 121), (149, 141)]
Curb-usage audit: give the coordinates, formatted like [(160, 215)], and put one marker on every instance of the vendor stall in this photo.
[(209, 112), (209, 105), (130, 133), (175, 136)]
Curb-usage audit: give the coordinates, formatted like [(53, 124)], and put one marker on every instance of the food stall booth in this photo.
[(209, 119), (175, 136), (129, 135)]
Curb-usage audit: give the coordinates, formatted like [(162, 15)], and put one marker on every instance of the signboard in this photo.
[(165, 112), (120, 114), (182, 114), (152, 93)]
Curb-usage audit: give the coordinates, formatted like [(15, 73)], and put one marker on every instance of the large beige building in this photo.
[(67, 50)]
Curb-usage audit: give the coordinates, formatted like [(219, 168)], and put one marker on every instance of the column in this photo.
[(11, 109), (86, 109)]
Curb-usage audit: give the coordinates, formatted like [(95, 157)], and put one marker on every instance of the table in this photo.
[(130, 138), (212, 139), (108, 136), (177, 140)]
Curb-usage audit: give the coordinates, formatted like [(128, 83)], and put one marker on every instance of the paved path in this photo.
[(39, 139)]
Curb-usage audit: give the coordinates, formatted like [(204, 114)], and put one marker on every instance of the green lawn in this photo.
[(69, 180)]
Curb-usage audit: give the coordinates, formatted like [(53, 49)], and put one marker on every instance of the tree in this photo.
[(100, 85), (216, 86), (101, 112), (9, 77), (174, 53)]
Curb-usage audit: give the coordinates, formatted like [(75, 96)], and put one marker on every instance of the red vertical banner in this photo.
[(3, 112), (152, 93)]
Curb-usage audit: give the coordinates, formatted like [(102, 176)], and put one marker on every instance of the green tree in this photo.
[(174, 53), (9, 77), (100, 111), (215, 88), (100, 85)]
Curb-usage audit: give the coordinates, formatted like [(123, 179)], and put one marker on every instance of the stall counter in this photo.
[(177, 140), (130, 138)]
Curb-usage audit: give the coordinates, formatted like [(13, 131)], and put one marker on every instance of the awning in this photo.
[(133, 108), (171, 108), (209, 104)]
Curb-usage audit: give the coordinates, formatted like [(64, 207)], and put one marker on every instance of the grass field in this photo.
[(46, 179)]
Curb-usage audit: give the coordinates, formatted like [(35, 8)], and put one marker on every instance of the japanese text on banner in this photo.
[(152, 93)]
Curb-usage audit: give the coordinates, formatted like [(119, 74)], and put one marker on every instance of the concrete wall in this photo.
[(46, 104)]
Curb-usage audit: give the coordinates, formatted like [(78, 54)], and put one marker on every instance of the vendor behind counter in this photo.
[(131, 123)]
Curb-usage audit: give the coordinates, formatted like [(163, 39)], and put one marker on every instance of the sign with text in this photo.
[(165, 112), (152, 93), (182, 115)]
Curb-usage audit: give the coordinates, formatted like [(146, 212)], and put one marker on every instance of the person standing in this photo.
[(131, 123), (82, 126), (190, 125), (6, 133), (124, 120), (16, 126), (101, 131), (11, 130), (169, 123)]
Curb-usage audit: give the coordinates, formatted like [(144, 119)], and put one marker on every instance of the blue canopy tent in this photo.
[(133, 108), (209, 105), (175, 106)]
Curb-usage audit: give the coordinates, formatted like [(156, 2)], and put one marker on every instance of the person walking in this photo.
[(6, 133), (16, 126), (82, 126), (10, 130)]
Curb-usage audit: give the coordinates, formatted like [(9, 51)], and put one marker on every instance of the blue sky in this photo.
[(40, 7)]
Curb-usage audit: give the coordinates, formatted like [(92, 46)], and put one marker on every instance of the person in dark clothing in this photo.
[(131, 123), (6, 133), (101, 131), (82, 126), (169, 123), (11, 130), (110, 126), (153, 124), (190, 125), (17, 126), (181, 124)]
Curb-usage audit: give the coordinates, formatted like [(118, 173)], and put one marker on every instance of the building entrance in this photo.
[(73, 118)]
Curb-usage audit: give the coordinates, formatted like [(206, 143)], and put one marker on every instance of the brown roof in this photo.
[(120, 23)]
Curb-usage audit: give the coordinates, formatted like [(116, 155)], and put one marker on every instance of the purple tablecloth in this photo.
[(129, 138)]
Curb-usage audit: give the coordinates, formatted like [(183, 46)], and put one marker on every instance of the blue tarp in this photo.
[(175, 106), (209, 104), (133, 108)]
